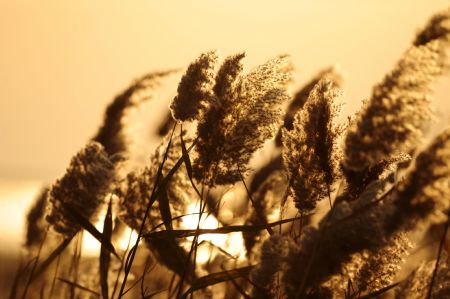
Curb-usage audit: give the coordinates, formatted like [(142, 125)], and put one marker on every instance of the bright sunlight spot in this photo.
[(232, 243)]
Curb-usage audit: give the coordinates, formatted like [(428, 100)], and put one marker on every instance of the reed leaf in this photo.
[(215, 278), (105, 253)]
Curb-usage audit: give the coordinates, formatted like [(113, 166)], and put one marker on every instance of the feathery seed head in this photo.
[(36, 223), (396, 114), (135, 192), (227, 78), (83, 188), (351, 228), (112, 133), (334, 74), (194, 90), (426, 190), (310, 151), (273, 255), (417, 284), (134, 195), (438, 28), (369, 270), (244, 116), (399, 109), (381, 265)]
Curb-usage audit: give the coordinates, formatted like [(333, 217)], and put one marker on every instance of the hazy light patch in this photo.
[(232, 243), (129, 237), (91, 246), (16, 196)]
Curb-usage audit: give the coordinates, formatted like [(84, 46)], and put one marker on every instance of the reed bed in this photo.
[(342, 210)]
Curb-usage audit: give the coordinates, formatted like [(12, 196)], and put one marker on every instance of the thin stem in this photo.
[(30, 278), (436, 265), (54, 277), (122, 263), (261, 217), (132, 253)]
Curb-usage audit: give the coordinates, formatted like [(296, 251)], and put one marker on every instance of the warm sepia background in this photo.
[(61, 62)]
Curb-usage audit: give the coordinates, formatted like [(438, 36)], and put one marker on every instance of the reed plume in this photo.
[(352, 249), (349, 229), (423, 194), (310, 151), (243, 113), (194, 90), (36, 224), (83, 188), (389, 125), (264, 277), (353, 227), (112, 133), (301, 96), (370, 270), (417, 284), (437, 28)]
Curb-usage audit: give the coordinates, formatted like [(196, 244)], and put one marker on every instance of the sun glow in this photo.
[(91, 246), (211, 244)]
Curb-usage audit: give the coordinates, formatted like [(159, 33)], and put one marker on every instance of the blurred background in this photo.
[(62, 62)]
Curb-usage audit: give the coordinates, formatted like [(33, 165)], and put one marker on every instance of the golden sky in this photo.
[(61, 62)]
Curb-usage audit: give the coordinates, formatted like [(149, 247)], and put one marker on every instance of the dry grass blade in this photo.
[(171, 254), (262, 217), (78, 286), (140, 279), (193, 250), (220, 249), (174, 218), (187, 161), (79, 218), (376, 294), (350, 289), (185, 233), (104, 252), (160, 188), (177, 261), (169, 176), (164, 208), (216, 278)]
